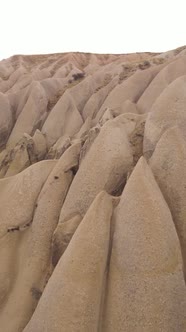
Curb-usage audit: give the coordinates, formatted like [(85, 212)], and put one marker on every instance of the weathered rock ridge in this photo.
[(92, 192)]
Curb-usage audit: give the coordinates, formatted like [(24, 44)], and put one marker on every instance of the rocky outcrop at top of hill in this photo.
[(93, 192)]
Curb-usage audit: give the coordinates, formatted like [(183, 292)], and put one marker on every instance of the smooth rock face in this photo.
[(16, 256), (63, 119), (73, 296), (168, 164), (104, 168), (62, 237), (166, 75), (32, 114), (168, 110), (92, 235), (145, 273)]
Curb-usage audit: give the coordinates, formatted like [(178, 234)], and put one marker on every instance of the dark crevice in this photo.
[(19, 228), (13, 229), (74, 170), (117, 191)]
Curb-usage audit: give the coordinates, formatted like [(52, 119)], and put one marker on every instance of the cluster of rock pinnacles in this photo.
[(93, 193)]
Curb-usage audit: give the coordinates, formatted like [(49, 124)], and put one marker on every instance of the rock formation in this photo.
[(92, 192)]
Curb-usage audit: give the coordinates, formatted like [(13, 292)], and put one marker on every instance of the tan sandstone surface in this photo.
[(93, 192)]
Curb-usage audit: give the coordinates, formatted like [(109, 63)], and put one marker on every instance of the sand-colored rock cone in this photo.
[(145, 290), (131, 90), (22, 191), (69, 259), (78, 277), (104, 168), (33, 248), (32, 115), (168, 164), (64, 119), (167, 75), (167, 111)]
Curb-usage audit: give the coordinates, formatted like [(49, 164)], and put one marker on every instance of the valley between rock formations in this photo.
[(93, 192)]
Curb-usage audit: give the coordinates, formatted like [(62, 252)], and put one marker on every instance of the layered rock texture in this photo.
[(93, 193)]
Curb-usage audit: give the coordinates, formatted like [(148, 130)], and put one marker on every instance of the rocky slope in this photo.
[(92, 193)]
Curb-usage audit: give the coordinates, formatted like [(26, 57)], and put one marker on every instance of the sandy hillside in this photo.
[(93, 192)]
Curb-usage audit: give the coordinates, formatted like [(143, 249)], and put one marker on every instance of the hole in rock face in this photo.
[(13, 229), (36, 293), (56, 177), (78, 76), (136, 141), (74, 169), (56, 254), (119, 188)]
